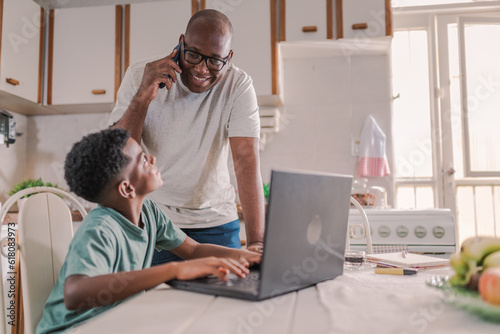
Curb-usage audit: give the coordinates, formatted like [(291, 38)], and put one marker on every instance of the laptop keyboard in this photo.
[(250, 281)]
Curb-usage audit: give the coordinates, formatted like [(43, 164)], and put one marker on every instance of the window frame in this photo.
[(423, 21), (462, 21)]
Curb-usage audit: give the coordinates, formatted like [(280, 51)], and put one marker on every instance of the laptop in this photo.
[(304, 243)]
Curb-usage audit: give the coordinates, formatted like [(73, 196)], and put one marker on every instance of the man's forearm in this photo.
[(247, 169), (133, 119), (252, 202)]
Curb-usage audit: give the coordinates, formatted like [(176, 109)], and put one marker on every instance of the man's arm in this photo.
[(82, 292), (247, 168), (154, 73)]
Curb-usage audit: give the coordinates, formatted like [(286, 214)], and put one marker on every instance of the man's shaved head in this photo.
[(215, 19)]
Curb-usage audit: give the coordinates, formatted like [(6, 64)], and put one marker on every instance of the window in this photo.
[(456, 163), (480, 95), (412, 120)]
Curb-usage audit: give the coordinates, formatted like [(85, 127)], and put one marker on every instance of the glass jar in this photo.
[(380, 194), (369, 197)]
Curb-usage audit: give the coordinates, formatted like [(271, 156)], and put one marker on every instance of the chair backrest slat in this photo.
[(45, 232)]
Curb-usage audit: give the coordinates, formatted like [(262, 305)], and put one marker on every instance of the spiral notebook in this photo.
[(407, 260)]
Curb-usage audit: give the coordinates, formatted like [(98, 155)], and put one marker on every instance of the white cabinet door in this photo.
[(251, 20), (369, 12), (155, 27), (84, 55), (20, 49), (301, 15)]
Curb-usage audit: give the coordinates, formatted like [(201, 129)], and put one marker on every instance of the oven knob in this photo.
[(420, 231), (402, 231), (356, 232), (384, 231), (438, 231)]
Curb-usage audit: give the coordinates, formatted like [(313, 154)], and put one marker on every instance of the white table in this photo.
[(356, 302)]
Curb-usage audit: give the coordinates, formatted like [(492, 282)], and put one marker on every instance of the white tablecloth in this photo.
[(357, 302), (364, 302)]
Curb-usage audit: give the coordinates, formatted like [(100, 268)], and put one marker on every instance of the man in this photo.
[(208, 106)]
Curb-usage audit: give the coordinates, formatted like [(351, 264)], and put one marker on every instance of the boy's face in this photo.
[(141, 171)]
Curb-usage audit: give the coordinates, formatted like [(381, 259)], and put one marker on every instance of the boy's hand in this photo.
[(219, 267)]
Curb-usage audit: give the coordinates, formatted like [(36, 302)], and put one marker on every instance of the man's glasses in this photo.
[(213, 64)]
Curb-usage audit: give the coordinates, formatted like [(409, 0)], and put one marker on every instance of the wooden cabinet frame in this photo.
[(40, 53), (118, 52), (340, 20)]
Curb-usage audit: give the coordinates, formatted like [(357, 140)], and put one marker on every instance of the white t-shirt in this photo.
[(188, 133)]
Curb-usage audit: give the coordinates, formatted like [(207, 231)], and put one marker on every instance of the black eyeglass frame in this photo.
[(203, 57)]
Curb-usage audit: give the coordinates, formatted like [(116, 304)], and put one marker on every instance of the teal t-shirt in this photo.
[(106, 243)]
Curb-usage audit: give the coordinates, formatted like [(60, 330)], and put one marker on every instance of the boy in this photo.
[(109, 257)]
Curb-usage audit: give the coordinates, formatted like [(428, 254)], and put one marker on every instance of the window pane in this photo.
[(465, 213), (484, 210), (456, 103), (478, 211), (406, 197), (415, 197), (425, 198), (411, 117), (496, 206), (482, 54)]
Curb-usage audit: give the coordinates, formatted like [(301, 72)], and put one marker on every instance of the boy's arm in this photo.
[(82, 292), (190, 249)]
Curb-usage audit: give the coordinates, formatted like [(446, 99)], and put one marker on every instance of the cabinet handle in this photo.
[(358, 26), (13, 82), (309, 29), (98, 91)]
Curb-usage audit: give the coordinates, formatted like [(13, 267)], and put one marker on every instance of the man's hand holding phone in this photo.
[(176, 59), (161, 73)]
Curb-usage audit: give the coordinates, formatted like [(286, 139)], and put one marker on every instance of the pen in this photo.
[(395, 271)]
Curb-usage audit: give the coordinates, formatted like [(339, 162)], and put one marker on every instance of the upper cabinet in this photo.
[(84, 62), (153, 28), (21, 27), (254, 44), (316, 20), (310, 20), (364, 18), (87, 49)]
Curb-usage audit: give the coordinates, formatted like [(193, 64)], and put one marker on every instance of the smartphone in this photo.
[(176, 59)]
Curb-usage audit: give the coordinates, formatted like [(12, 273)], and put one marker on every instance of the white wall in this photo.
[(326, 103), (51, 137)]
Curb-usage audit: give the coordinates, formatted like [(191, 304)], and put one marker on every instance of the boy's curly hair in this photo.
[(95, 161)]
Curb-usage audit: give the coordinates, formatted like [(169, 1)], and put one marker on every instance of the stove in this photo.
[(432, 231)]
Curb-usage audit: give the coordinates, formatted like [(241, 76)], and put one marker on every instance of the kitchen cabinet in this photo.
[(20, 49), (253, 44), (317, 20), (84, 62), (364, 18), (155, 28), (307, 20)]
